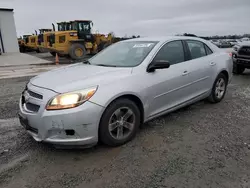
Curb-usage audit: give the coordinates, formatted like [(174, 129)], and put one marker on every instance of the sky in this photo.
[(136, 17)]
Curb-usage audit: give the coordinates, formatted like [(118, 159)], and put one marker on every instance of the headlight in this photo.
[(70, 100)]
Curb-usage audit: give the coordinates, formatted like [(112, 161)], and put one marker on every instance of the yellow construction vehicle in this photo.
[(50, 36), (32, 42), (77, 40), (23, 43), (43, 39)]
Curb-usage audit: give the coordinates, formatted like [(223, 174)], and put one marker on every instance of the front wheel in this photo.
[(119, 122), (219, 89), (77, 51)]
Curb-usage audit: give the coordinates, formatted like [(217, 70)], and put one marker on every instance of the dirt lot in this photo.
[(203, 145)]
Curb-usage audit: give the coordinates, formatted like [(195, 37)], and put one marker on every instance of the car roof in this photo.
[(166, 38)]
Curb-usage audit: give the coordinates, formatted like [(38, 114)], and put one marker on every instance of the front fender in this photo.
[(105, 98)]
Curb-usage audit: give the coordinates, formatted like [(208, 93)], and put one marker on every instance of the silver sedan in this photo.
[(131, 82)]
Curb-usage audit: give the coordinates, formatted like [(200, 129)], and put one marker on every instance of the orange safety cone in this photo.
[(57, 59)]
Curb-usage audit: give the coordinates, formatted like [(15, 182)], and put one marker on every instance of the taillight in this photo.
[(230, 54)]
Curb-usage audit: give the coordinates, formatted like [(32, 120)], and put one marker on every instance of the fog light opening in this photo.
[(70, 132)]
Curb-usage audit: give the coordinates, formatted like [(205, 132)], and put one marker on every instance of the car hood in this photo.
[(78, 76)]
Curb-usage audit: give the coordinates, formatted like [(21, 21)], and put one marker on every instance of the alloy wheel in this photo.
[(220, 88), (121, 123)]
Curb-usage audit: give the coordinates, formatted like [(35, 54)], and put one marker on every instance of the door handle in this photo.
[(212, 63), (185, 73)]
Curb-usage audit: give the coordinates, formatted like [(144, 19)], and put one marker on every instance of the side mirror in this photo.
[(158, 64)]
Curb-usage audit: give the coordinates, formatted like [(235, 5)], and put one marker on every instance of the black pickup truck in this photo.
[(241, 57)]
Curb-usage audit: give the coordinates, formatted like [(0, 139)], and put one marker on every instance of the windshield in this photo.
[(84, 27), (61, 27), (124, 54)]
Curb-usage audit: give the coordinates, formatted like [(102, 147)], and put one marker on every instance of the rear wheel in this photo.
[(219, 89), (77, 51), (119, 122), (237, 69)]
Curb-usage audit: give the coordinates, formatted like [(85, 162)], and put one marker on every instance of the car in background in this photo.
[(224, 44), (215, 42), (241, 57), (109, 96), (245, 39), (232, 42)]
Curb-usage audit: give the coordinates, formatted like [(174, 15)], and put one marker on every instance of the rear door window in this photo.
[(196, 48)]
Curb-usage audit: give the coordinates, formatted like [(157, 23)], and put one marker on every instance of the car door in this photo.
[(168, 86), (201, 67)]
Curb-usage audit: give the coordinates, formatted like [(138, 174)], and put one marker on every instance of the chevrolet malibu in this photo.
[(131, 82)]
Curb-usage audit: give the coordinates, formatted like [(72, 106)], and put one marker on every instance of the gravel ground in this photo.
[(202, 145)]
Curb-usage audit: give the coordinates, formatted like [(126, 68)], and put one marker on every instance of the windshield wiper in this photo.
[(104, 65)]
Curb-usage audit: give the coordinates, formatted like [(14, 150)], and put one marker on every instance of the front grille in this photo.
[(35, 95), (245, 50), (32, 107), (27, 99)]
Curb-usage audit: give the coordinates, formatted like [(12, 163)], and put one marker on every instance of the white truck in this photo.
[(241, 57)]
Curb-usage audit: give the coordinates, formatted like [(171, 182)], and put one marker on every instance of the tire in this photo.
[(22, 49), (237, 69), (121, 105), (53, 54), (73, 51), (214, 97)]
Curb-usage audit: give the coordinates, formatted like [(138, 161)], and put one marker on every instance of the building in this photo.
[(8, 36)]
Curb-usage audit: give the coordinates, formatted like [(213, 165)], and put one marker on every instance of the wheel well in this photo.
[(136, 100), (225, 73)]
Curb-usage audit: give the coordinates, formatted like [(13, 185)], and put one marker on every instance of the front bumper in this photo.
[(242, 61), (76, 126)]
